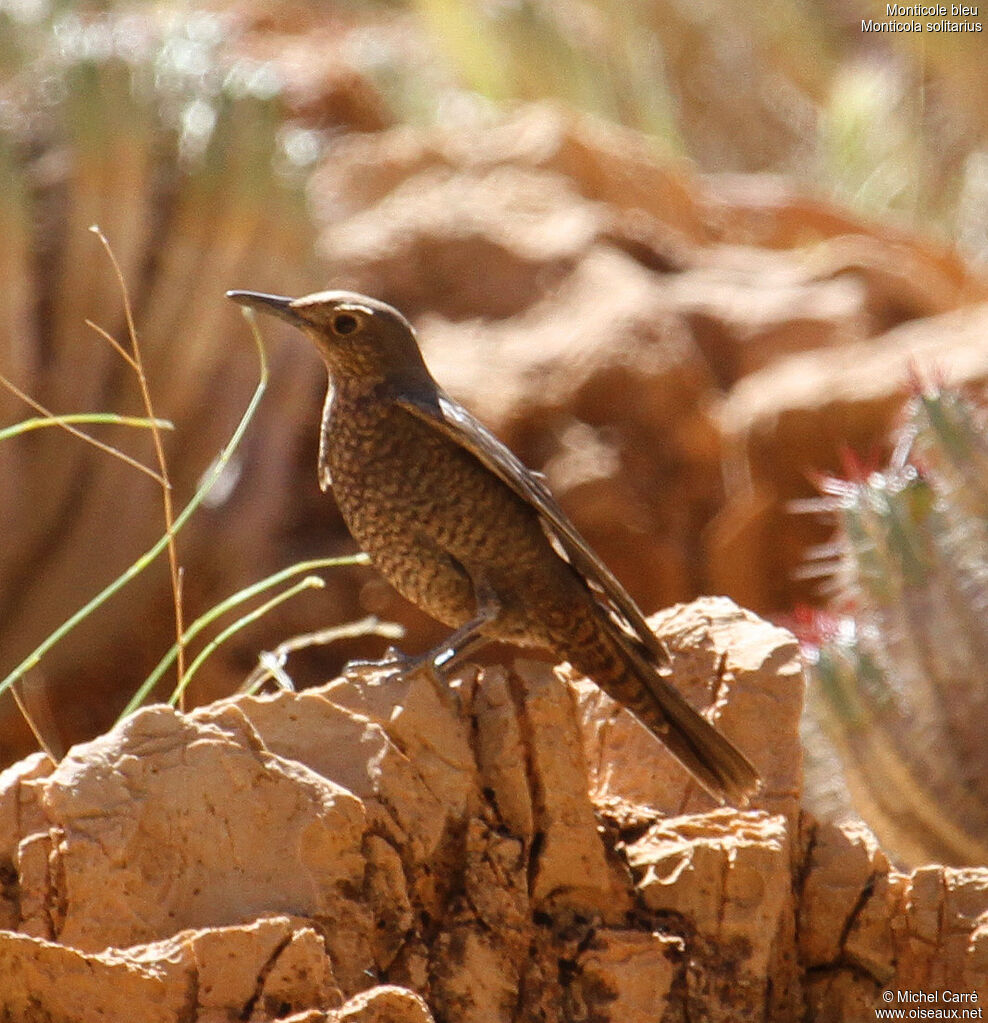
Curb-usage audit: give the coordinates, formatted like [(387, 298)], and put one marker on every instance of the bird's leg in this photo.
[(469, 637), (457, 647)]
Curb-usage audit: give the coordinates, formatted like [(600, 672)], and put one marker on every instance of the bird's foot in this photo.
[(395, 663)]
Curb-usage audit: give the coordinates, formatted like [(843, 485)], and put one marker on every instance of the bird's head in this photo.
[(357, 336)]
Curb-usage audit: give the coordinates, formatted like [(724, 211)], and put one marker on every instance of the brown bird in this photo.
[(462, 529)]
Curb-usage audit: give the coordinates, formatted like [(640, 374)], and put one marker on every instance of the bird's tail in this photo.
[(624, 671)]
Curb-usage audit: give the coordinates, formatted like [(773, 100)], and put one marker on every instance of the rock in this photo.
[(842, 863), (511, 847), (628, 974), (313, 57), (793, 419), (114, 876), (266, 968), (727, 659), (874, 931), (728, 874), (384, 1004), (571, 861)]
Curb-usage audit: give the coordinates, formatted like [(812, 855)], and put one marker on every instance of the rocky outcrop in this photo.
[(512, 847), (790, 420)]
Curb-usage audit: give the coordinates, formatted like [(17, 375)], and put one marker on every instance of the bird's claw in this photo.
[(395, 664)]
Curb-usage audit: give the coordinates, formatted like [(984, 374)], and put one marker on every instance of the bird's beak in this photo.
[(275, 304)]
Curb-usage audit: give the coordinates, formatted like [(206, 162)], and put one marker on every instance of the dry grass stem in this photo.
[(136, 362), (65, 424)]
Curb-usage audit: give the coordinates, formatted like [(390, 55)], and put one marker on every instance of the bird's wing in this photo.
[(446, 415)]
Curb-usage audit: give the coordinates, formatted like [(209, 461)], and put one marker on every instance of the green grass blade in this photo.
[(240, 597), (309, 582), (83, 418), (209, 480)]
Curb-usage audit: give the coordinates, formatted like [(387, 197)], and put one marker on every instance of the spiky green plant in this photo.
[(900, 677)]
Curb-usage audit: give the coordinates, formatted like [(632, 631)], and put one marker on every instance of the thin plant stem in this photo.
[(66, 423), (309, 582), (207, 483), (35, 730), (240, 597), (271, 662), (114, 344), (136, 362), (268, 667), (95, 418)]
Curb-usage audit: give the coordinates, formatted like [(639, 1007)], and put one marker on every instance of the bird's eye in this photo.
[(345, 323)]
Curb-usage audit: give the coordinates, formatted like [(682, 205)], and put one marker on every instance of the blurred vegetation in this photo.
[(892, 124), (134, 122), (900, 668)]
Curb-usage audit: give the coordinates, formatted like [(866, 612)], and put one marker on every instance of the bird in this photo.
[(462, 529)]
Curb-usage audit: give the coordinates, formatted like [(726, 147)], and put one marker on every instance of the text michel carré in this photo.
[(925, 11)]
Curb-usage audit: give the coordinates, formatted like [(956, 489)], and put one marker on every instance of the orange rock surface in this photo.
[(512, 847)]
